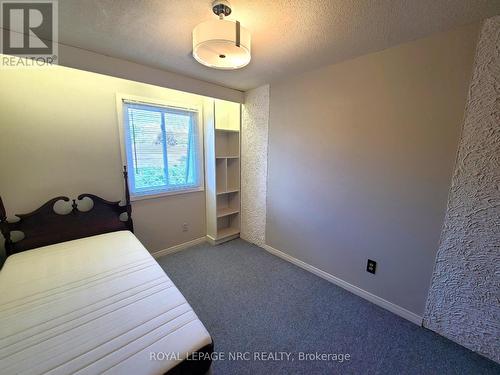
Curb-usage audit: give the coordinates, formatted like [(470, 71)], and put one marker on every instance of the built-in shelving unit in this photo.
[(222, 169)]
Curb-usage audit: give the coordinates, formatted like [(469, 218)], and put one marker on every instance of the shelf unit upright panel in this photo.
[(233, 174), (221, 175), (210, 168)]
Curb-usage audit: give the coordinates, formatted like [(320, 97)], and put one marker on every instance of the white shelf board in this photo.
[(228, 191), (227, 130), (226, 211)]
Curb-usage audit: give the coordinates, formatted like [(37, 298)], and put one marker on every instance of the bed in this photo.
[(93, 300)]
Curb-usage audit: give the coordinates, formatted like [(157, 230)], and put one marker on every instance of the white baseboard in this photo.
[(398, 310), (179, 247)]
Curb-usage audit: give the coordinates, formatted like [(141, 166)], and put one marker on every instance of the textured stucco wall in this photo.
[(255, 121), (464, 298)]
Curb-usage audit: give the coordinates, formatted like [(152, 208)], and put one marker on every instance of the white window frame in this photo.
[(120, 101)]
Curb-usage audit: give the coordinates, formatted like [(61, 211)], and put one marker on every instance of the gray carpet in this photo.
[(252, 301)]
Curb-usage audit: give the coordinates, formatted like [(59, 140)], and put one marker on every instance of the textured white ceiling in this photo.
[(289, 36)]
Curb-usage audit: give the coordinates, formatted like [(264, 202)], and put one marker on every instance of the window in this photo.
[(162, 147)]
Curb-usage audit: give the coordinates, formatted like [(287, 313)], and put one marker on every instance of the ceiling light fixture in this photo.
[(221, 44)]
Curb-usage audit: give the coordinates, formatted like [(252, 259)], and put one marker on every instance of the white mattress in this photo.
[(95, 305)]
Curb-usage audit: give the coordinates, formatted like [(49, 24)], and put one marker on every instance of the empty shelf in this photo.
[(226, 232), (226, 211)]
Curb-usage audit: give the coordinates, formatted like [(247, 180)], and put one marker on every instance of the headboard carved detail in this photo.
[(44, 226)]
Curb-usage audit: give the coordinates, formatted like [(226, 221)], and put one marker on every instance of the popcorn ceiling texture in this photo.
[(255, 121), (464, 298), (288, 36)]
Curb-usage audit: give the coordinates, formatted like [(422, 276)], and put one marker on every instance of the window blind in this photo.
[(162, 147)]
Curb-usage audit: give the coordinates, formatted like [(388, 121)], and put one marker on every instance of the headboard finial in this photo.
[(3, 214), (127, 192), (127, 199)]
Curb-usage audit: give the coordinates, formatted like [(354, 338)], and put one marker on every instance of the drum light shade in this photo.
[(221, 44)]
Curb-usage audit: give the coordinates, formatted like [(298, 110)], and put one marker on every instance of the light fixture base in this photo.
[(221, 8)]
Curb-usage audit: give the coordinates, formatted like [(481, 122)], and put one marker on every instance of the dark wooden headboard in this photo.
[(44, 226)]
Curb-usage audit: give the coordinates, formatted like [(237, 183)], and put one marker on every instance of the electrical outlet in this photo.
[(185, 227), (371, 266)]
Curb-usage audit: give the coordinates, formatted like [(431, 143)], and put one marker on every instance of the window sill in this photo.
[(134, 198)]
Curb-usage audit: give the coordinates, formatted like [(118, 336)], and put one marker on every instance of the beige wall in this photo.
[(361, 155), (59, 136)]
